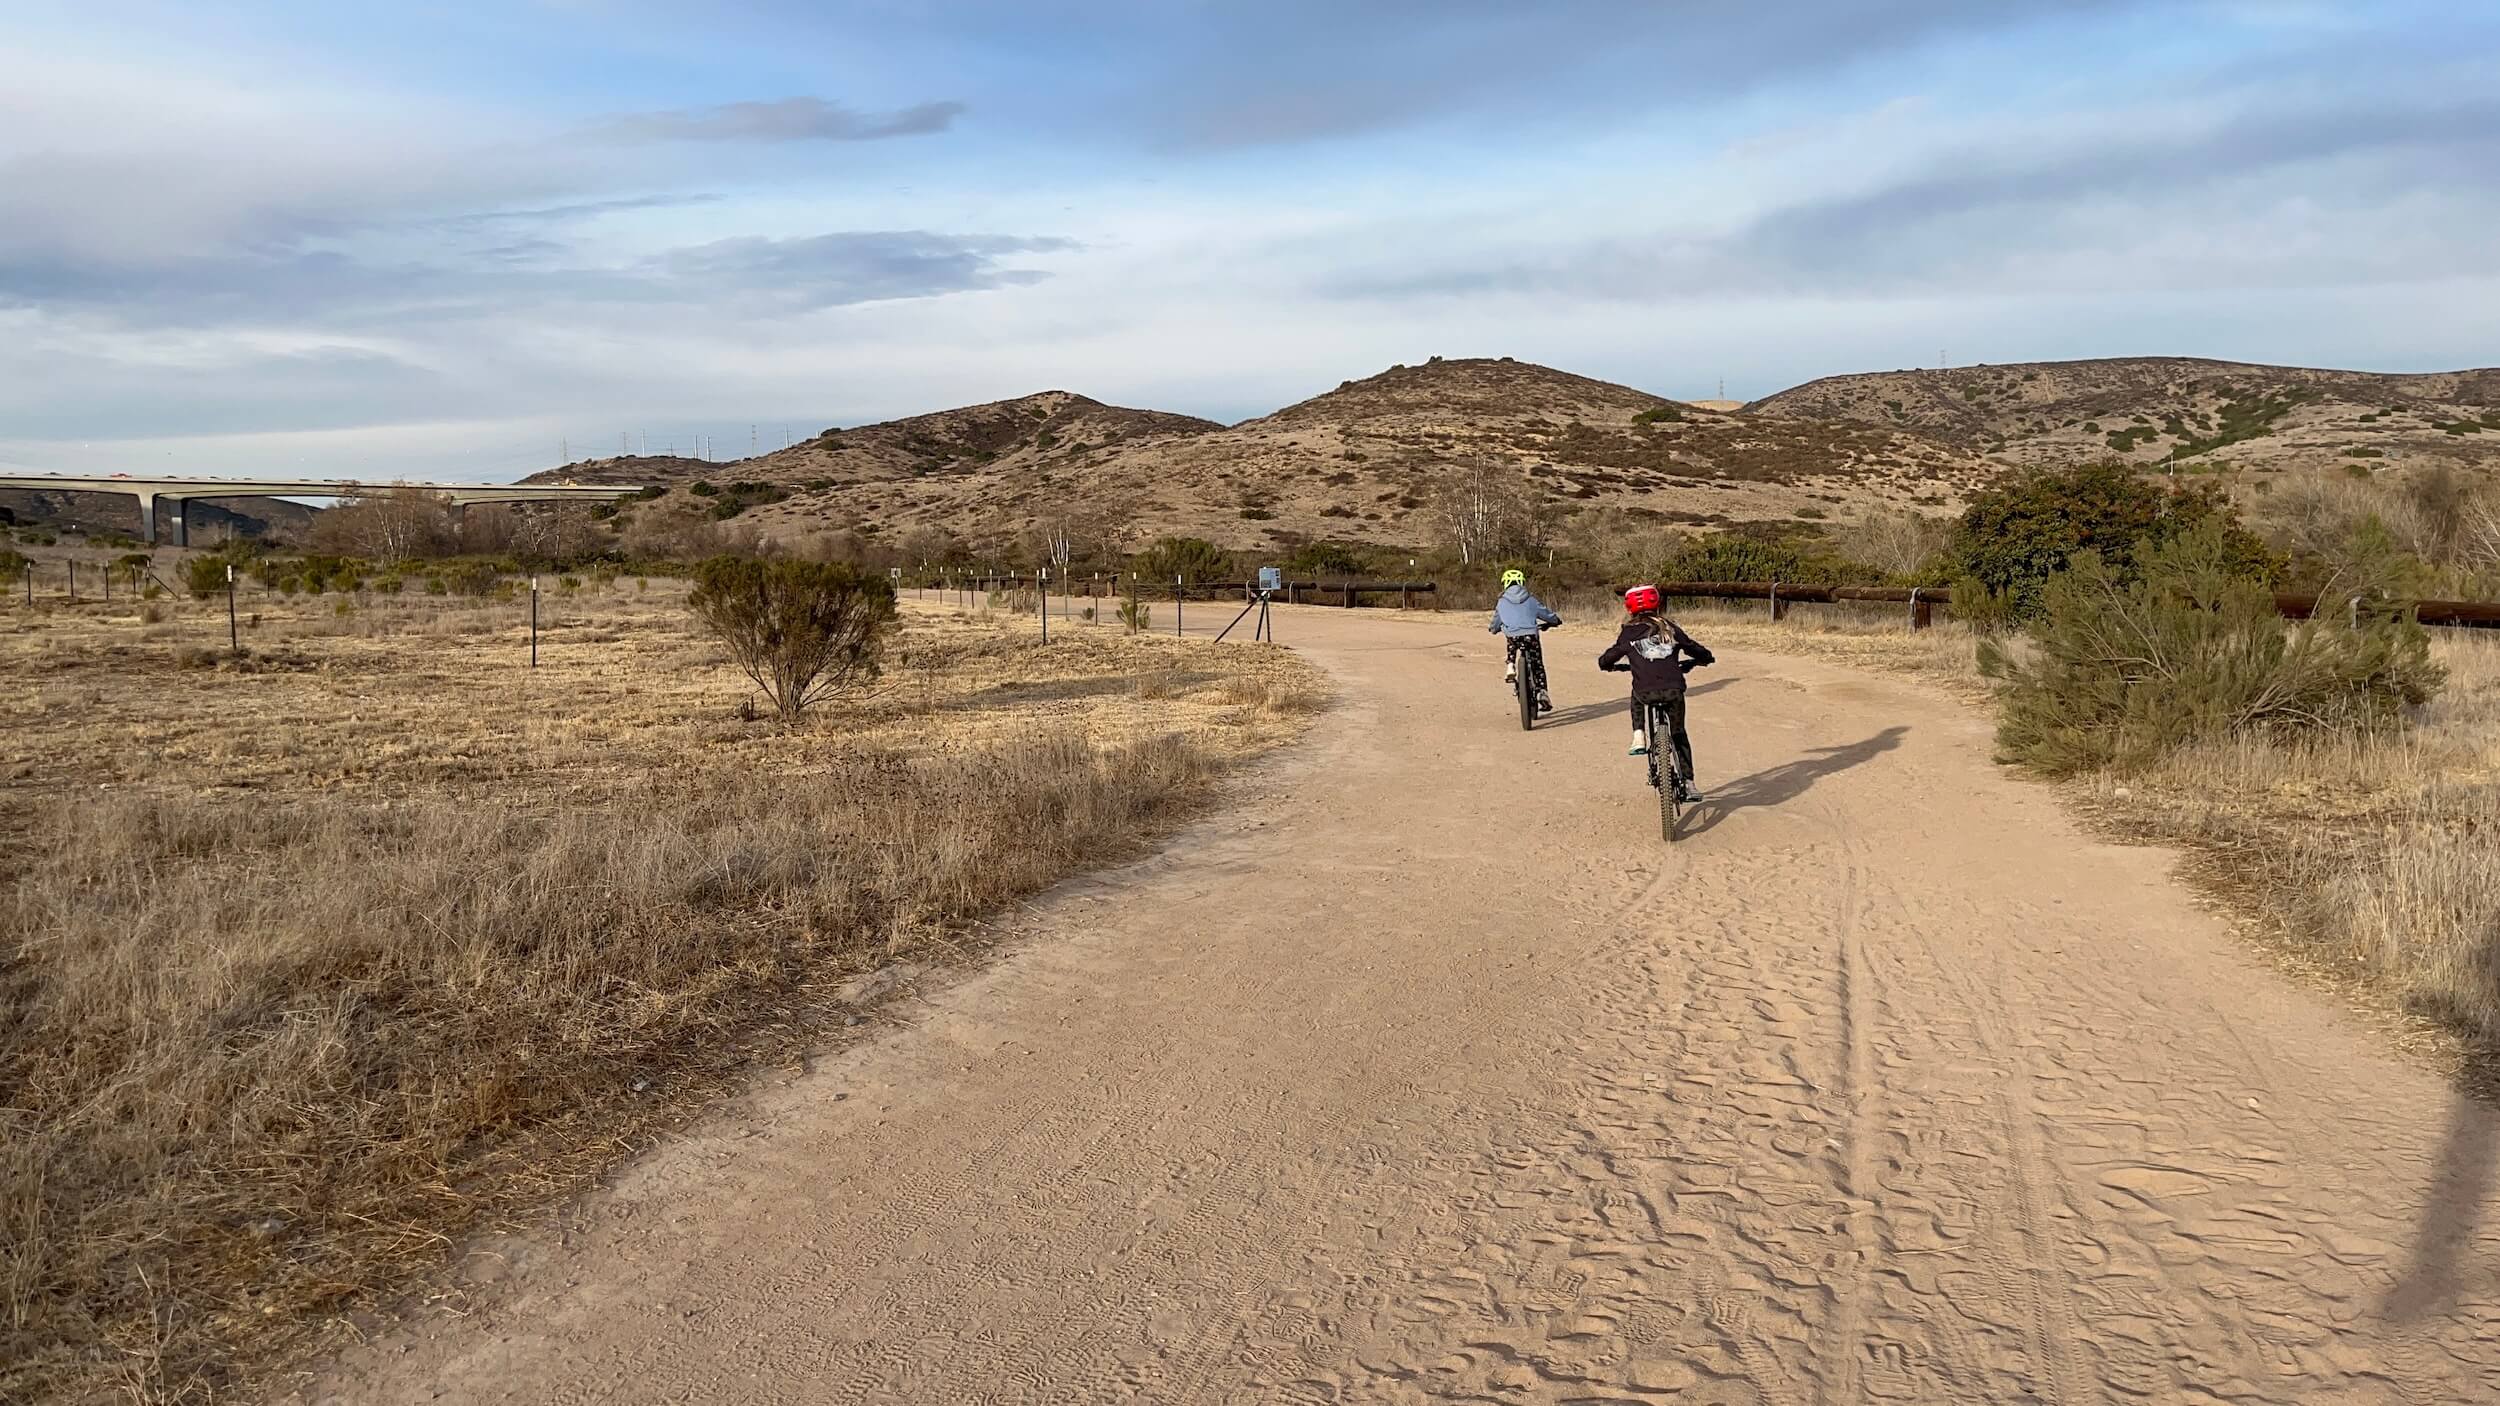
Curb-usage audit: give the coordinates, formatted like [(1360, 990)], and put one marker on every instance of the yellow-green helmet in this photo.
[(1514, 577)]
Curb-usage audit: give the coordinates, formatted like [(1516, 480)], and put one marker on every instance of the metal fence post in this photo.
[(533, 622), (1042, 590), (234, 642), (1176, 605)]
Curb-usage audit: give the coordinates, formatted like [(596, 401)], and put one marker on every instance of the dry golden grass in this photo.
[(2366, 861), (315, 961), (2370, 857)]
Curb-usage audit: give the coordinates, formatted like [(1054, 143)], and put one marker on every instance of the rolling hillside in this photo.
[(2264, 418), (1359, 463)]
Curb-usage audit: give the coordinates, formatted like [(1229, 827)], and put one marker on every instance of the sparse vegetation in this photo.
[(311, 990), (803, 631)]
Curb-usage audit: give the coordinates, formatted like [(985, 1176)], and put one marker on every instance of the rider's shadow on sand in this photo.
[(2446, 1268), (1777, 785)]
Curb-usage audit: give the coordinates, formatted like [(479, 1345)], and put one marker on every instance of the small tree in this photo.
[(2023, 530), (804, 631), (1488, 512), (388, 525)]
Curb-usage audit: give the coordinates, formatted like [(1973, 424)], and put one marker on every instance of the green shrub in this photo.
[(704, 488), (1660, 415), (1138, 615), (802, 630), (650, 491), (434, 586), (2128, 666), (13, 565), (2023, 530), (467, 578), (1728, 557), (1986, 611), (1192, 559), (1325, 559)]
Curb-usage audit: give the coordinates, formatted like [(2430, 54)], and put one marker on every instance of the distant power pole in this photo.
[(564, 450), (750, 441), (621, 448)]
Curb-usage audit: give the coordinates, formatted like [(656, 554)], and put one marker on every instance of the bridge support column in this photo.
[(147, 517), (180, 519)]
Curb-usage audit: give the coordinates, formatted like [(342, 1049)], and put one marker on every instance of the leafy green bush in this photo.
[(205, 576), (802, 630), (13, 565), (1660, 415), (2127, 666), (467, 578), (1192, 559), (2023, 530), (1728, 557), (1325, 559)]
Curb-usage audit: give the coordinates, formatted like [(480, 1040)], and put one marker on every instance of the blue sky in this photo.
[(451, 239)]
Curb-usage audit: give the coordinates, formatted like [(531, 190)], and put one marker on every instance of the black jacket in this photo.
[(1658, 653)]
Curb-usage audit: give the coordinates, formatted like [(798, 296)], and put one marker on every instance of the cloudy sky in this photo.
[(453, 239)]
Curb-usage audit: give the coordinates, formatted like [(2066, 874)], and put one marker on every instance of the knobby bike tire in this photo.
[(1665, 774), (1525, 687)]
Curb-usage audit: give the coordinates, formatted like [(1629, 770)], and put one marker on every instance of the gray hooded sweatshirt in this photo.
[(1518, 613)]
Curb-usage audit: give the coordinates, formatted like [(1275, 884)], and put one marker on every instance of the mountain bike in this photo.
[(1527, 674)]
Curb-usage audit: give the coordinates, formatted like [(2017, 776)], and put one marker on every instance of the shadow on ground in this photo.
[(2445, 1269), (1778, 785)]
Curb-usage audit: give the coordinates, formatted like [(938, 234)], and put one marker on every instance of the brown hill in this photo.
[(1361, 463), (2266, 418)]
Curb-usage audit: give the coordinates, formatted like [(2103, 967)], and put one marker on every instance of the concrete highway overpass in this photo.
[(174, 492)]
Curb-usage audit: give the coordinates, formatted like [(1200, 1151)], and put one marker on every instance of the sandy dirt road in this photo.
[(1429, 1074)]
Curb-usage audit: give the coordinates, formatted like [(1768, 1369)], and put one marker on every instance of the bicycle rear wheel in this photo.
[(1524, 684), (1663, 772)]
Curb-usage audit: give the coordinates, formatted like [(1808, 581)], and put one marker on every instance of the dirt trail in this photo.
[(1430, 1074)]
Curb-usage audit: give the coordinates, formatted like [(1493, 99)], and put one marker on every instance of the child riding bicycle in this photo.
[(1658, 654), (1517, 617)]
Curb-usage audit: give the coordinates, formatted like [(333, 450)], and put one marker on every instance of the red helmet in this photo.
[(1640, 599)]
